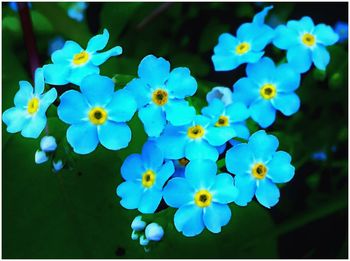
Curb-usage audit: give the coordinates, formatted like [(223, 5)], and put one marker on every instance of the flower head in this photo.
[(222, 93), (76, 11), (145, 176), (40, 157), (268, 88), (246, 47), (72, 63), (57, 166), (29, 113), (48, 144), (97, 114), (258, 166), (342, 29), (138, 224), (305, 43), (154, 232), (160, 94), (203, 199)]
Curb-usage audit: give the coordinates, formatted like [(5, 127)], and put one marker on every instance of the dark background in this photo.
[(76, 214)]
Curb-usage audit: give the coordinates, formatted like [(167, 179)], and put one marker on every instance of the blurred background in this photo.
[(75, 213)]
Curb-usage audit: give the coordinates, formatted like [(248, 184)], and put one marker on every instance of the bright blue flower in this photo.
[(201, 198), (29, 113), (97, 114), (342, 29), (143, 240), (258, 166), (48, 144), (319, 155), (55, 44), (154, 232), (192, 141), (145, 176), (247, 47), (268, 88), (138, 224), (76, 11), (72, 63), (227, 121), (160, 94), (305, 43), (40, 157), (222, 93), (57, 166)]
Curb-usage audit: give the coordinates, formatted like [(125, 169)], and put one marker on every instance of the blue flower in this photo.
[(268, 88), (72, 63), (55, 44), (319, 155), (192, 141), (138, 224), (29, 113), (227, 121), (154, 232), (258, 166), (305, 43), (76, 11), (160, 94), (247, 47), (48, 144), (57, 166), (13, 6), (222, 93), (201, 198), (40, 157), (342, 29), (97, 114), (145, 176)]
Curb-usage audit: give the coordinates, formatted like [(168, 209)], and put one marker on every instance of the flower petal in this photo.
[(180, 83), (34, 126), (325, 34), (79, 73), (279, 168), (263, 112), (65, 55), (155, 71), (215, 216), (97, 89), (39, 84), (153, 119), (132, 167), (56, 74), (300, 58), (267, 193), (47, 99), (225, 62), (222, 93), (140, 91), (287, 79), (172, 142), (263, 145), (259, 18), (152, 156), (201, 150), (285, 37), (73, 107), (246, 91), (172, 196), (237, 112), (164, 173), (200, 174), (122, 106), (287, 103), (239, 159), (131, 193), (98, 42), (246, 186), (150, 200), (217, 136), (114, 136), (261, 72), (188, 220), (24, 94), (83, 137), (99, 58), (179, 112), (214, 109), (223, 190), (241, 130), (15, 119), (320, 57)]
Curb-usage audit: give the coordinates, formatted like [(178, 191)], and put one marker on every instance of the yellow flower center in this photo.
[(195, 132), (183, 161), (242, 48), (80, 58), (268, 91), (259, 171), (148, 179), (308, 39), (160, 97), (202, 198), (97, 115), (33, 105), (222, 121)]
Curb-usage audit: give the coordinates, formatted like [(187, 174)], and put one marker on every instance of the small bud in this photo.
[(40, 157), (48, 144), (154, 232), (57, 166), (143, 241), (222, 93), (137, 224), (134, 235)]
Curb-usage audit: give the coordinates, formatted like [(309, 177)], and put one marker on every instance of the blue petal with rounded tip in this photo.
[(173, 142), (287, 103), (179, 112), (172, 196), (214, 109), (262, 38), (305, 24), (122, 106), (114, 136), (262, 72), (153, 119), (279, 168), (164, 173), (224, 62), (263, 112), (285, 37), (287, 79), (150, 200), (83, 137), (241, 130), (97, 89), (24, 94), (47, 99), (56, 74), (222, 93), (15, 119), (99, 58), (39, 85), (216, 216), (202, 121), (188, 219), (247, 31), (227, 43), (237, 112), (325, 34), (152, 156), (200, 174), (246, 91), (200, 150), (223, 190), (77, 74), (155, 71), (217, 136), (34, 126), (130, 200), (267, 193), (98, 42), (140, 91), (180, 83), (263, 145), (132, 167), (259, 18), (246, 186), (300, 58), (320, 57), (73, 107), (239, 159), (66, 54)]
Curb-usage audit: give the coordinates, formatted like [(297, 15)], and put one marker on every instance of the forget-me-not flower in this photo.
[(76, 11), (342, 29), (258, 166), (222, 93), (29, 113), (72, 63), (97, 114), (201, 198), (160, 94), (305, 43)]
